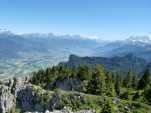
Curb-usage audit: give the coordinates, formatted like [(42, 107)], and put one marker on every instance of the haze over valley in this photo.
[(22, 54)]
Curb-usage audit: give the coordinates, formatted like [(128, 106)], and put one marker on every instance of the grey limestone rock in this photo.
[(7, 100)]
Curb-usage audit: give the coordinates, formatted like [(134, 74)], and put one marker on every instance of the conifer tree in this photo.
[(94, 86), (147, 94), (110, 90), (100, 71), (128, 79), (145, 81), (97, 83), (117, 85), (84, 72), (134, 81)]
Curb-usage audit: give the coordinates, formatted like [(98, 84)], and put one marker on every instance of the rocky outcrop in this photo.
[(17, 84), (34, 98), (7, 100), (28, 97), (8, 93)]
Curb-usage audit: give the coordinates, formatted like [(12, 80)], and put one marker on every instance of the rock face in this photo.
[(7, 100), (34, 98), (27, 97), (8, 93)]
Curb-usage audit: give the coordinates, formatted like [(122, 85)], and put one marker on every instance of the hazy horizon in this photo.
[(75, 36)]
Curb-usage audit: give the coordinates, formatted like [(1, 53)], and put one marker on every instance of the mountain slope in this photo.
[(122, 64), (139, 46), (11, 44)]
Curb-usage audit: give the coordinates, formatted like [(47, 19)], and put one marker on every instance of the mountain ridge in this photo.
[(116, 63), (139, 46)]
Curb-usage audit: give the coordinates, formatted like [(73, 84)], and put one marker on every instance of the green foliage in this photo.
[(110, 87), (129, 80), (44, 77), (100, 75), (137, 96), (126, 95), (134, 81), (98, 82), (84, 72), (145, 81), (109, 78), (117, 85), (43, 97), (95, 85), (147, 95), (99, 69), (108, 107), (78, 101)]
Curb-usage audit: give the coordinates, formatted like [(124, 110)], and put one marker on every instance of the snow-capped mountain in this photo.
[(139, 39), (139, 46)]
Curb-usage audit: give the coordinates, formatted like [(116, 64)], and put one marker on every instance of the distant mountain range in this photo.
[(138, 46), (11, 44)]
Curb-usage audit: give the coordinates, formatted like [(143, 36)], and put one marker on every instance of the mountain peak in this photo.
[(142, 39)]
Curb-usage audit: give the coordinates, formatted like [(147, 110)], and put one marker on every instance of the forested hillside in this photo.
[(120, 94), (116, 63)]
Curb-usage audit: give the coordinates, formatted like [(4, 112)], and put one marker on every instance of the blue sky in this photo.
[(107, 19)]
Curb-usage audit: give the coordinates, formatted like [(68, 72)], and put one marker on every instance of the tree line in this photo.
[(101, 82)]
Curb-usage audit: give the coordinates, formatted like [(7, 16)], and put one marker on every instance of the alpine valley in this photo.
[(22, 54)]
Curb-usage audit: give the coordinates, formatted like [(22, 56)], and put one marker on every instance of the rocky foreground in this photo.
[(20, 94)]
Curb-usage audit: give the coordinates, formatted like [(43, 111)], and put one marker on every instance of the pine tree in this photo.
[(109, 78), (110, 90), (94, 86), (84, 72), (134, 82), (128, 79), (147, 94), (100, 71), (97, 83), (117, 85), (145, 81)]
